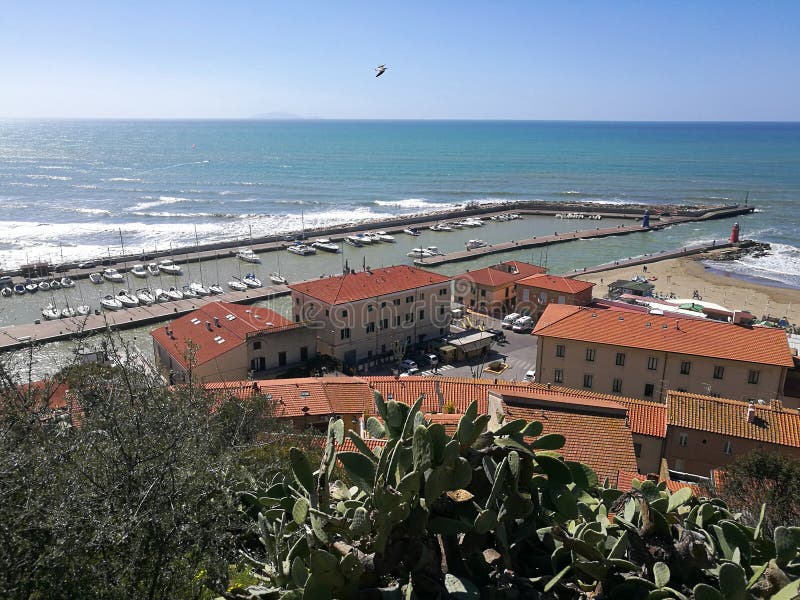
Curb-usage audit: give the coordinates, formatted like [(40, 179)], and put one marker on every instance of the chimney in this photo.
[(751, 413), (208, 325), (216, 322), (440, 396), (677, 324), (361, 428)]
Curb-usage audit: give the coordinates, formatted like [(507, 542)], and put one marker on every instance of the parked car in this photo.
[(432, 360), (523, 325), (508, 320), (89, 264), (530, 375), (410, 372), (409, 364), (499, 334)]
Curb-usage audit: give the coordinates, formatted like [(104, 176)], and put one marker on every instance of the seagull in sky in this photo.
[(380, 70)]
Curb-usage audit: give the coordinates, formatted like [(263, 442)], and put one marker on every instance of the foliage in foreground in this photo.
[(492, 515)]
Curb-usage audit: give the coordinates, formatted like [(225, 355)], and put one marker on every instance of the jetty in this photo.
[(586, 234), (19, 336)]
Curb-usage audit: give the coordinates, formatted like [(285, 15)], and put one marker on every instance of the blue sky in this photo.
[(464, 60)]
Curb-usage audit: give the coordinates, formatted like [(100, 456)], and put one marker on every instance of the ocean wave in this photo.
[(411, 203), (296, 202), (93, 211), (179, 215), (134, 179), (159, 201), (54, 167), (50, 177), (781, 264), (84, 186)]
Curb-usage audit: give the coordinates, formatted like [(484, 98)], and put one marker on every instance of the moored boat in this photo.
[(44, 286), (128, 300), (83, 310), (301, 250), (174, 293), (96, 278), (162, 296), (6, 292), (247, 255), (188, 292), (139, 271), (67, 312), (109, 302), (278, 279), (216, 289), (250, 280), (200, 289), (325, 245), (169, 267), (67, 282), (50, 312), (153, 269), (55, 284), (237, 286), (411, 231), (473, 244), (19, 289), (113, 275), (31, 288), (145, 296), (385, 237), (351, 240)]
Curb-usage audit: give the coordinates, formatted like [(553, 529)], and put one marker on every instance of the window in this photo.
[(409, 317), (752, 376), (303, 352), (385, 324), (344, 333), (397, 321), (344, 313), (683, 440), (652, 363), (369, 308), (327, 313), (588, 378), (637, 450), (560, 350), (256, 345), (282, 359), (441, 310), (620, 359), (558, 376), (409, 299), (421, 314), (728, 450), (648, 389), (483, 293), (383, 304), (616, 386), (442, 291), (297, 300), (370, 327), (719, 372), (397, 301), (686, 367), (297, 318), (590, 354)]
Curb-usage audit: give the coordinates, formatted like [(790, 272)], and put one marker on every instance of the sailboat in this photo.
[(277, 277)]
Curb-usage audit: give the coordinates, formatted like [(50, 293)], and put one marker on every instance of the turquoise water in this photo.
[(82, 189)]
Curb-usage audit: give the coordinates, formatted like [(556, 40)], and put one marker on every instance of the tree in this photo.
[(764, 477)]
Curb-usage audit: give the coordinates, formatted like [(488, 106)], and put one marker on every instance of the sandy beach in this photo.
[(681, 276)]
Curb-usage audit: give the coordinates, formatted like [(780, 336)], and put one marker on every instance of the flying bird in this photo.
[(380, 70)]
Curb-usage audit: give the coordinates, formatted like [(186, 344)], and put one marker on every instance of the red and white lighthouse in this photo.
[(735, 234)]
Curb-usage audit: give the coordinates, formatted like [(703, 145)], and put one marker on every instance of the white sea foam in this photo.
[(413, 203), (781, 264), (93, 211), (84, 186), (50, 177), (123, 179), (159, 201)]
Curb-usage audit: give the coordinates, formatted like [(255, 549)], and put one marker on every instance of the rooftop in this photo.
[(554, 283), (367, 284), (502, 273), (666, 334), (216, 328), (625, 480), (771, 423)]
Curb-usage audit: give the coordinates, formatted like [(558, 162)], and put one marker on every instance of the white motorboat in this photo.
[(385, 237), (139, 271), (419, 253), (67, 282), (96, 278), (200, 289), (301, 250), (162, 296), (44, 286), (174, 293), (19, 289), (83, 310), (31, 288), (188, 292), (250, 280), (109, 302), (145, 296), (363, 238), (6, 292), (128, 300), (169, 267), (55, 284), (67, 312), (216, 289), (352, 240), (113, 275), (247, 255), (441, 227), (456, 225), (237, 286), (278, 279), (50, 312), (472, 244), (153, 269), (434, 250), (411, 231), (325, 245), (373, 237), (471, 222)]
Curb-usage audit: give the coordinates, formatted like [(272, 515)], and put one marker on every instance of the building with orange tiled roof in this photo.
[(225, 341), (625, 483), (597, 431), (643, 355), (376, 315), (706, 433), (647, 420), (536, 292), (306, 401), (491, 290)]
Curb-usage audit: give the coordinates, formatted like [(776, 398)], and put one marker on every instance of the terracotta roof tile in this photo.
[(698, 337), (367, 284), (501, 274), (347, 396), (348, 445), (625, 481), (565, 285), (601, 440), (645, 418), (231, 331), (771, 424)]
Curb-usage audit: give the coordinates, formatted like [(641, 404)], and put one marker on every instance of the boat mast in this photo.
[(197, 250)]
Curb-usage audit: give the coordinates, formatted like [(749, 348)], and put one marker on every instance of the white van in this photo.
[(508, 321), (523, 325)]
